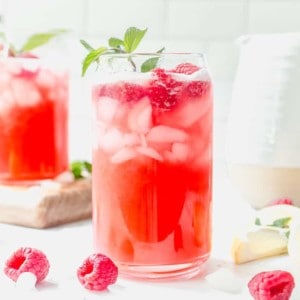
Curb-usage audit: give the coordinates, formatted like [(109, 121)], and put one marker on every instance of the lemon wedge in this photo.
[(277, 231), (258, 243)]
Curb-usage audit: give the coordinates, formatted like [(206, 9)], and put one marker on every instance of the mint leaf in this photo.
[(3, 35), (281, 223), (287, 234), (132, 38), (81, 168), (39, 39), (115, 43), (92, 57), (86, 45), (151, 63), (257, 221)]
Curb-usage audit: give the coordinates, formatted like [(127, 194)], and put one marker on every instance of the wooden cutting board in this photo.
[(46, 205)]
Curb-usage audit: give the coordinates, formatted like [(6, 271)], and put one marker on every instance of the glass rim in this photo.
[(170, 54)]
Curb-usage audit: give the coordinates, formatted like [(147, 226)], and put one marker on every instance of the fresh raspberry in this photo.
[(186, 68), (281, 201), (271, 285), (26, 259), (97, 272), (197, 88), (161, 98), (165, 79), (163, 90), (132, 92), (124, 92), (27, 74), (28, 55)]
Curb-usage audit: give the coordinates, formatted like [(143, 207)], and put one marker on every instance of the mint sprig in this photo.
[(132, 38), (279, 223), (33, 41), (282, 223), (40, 39), (81, 169), (130, 42)]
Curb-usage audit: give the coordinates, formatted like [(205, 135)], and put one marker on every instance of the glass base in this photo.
[(63, 177), (23, 183), (164, 272)]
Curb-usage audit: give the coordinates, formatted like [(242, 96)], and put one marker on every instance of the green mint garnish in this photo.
[(132, 38), (130, 42), (150, 63), (257, 222), (81, 169), (287, 234), (34, 41), (281, 223), (40, 39)]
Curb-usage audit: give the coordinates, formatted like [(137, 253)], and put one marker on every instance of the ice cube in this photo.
[(192, 111), (121, 116), (187, 113), (106, 109), (46, 79), (7, 102), (111, 141), (150, 152), (169, 156), (166, 134), (123, 155), (224, 280), (5, 79), (132, 139), (181, 151), (13, 66), (140, 116), (26, 281), (25, 92)]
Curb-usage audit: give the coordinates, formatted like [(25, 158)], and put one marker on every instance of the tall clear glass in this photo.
[(152, 164), (33, 120)]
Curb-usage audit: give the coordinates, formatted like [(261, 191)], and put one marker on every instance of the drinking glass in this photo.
[(33, 120), (152, 163)]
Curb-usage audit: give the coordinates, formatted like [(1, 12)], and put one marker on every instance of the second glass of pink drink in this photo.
[(152, 164), (33, 120)]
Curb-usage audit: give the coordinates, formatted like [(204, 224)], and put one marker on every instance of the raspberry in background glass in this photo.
[(152, 164)]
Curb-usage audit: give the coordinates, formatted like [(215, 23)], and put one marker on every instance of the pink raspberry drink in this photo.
[(33, 120), (152, 164)]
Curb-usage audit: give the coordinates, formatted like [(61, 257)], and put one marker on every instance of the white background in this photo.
[(208, 26)]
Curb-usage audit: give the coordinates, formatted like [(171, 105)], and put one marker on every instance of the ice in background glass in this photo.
[(152, 164), (33, 120)]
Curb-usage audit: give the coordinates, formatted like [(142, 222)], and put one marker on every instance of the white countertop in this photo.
[(67, 246)]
